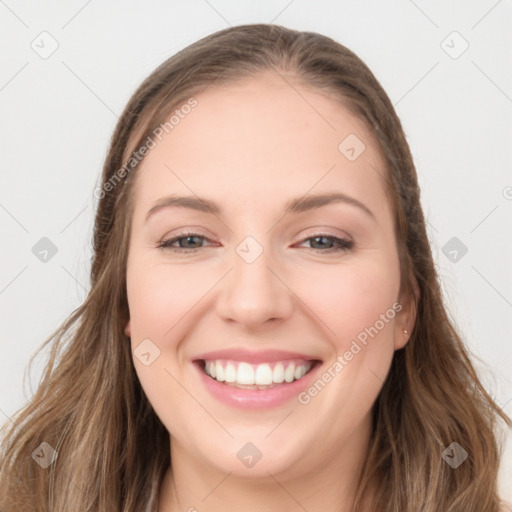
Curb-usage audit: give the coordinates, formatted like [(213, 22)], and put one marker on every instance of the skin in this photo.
[(251, 147)]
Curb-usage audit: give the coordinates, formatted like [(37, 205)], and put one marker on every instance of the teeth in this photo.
[(256, 376), (263, 375), (220, 372), (298, 372), (289, 373), (230, 373), (244, 374), (278, 373)]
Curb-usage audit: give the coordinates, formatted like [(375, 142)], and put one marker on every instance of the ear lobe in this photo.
[(406, 319), (127, 329)]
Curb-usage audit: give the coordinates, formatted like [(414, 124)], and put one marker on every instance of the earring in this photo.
[(405, 331)]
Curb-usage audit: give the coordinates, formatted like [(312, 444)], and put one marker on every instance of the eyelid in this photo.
[(167, 240), (343, 243), (184, 232), (325, 231)]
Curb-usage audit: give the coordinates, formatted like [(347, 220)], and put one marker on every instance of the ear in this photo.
[(127, 329), (406, 318)]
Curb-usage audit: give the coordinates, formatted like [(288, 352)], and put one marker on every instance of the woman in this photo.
[(265, 328)]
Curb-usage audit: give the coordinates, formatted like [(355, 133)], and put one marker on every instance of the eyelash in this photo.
[(343, 243)]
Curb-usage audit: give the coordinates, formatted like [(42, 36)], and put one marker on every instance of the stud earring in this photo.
[(405, 331)]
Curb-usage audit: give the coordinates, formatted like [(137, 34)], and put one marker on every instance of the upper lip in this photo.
[(251, 356)]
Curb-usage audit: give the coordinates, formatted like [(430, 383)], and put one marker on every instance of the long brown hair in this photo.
[(112, 450)]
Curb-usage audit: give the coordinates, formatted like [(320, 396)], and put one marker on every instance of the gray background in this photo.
[(59, 110)]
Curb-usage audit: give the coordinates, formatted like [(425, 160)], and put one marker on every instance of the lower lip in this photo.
[(256, 398)]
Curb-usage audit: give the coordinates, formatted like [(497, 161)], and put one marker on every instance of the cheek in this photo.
[(160, 295), (349, 299), (359, 304)]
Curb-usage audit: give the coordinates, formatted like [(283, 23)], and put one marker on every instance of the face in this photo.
[(257, 282)]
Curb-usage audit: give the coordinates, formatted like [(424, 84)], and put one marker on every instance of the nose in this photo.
[(255, 294)]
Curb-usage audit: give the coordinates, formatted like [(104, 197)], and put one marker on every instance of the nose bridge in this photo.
[(252, 293)]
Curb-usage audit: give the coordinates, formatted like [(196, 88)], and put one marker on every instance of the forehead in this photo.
[(260, 138)]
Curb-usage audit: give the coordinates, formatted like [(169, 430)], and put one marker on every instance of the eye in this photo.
[(328, 243), (191, 242), (187, 242)]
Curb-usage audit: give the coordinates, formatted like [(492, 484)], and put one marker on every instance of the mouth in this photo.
[(261, 376)]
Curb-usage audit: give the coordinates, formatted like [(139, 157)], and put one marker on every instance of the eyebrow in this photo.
[(297, 205)]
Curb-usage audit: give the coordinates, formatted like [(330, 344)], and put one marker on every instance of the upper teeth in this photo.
[(259, 374)]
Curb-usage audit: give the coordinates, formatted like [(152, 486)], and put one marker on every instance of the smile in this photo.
[(261, 376)]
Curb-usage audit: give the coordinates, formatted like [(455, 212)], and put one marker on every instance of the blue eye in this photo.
[(183, 246), (192, 242), (335, 243)]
